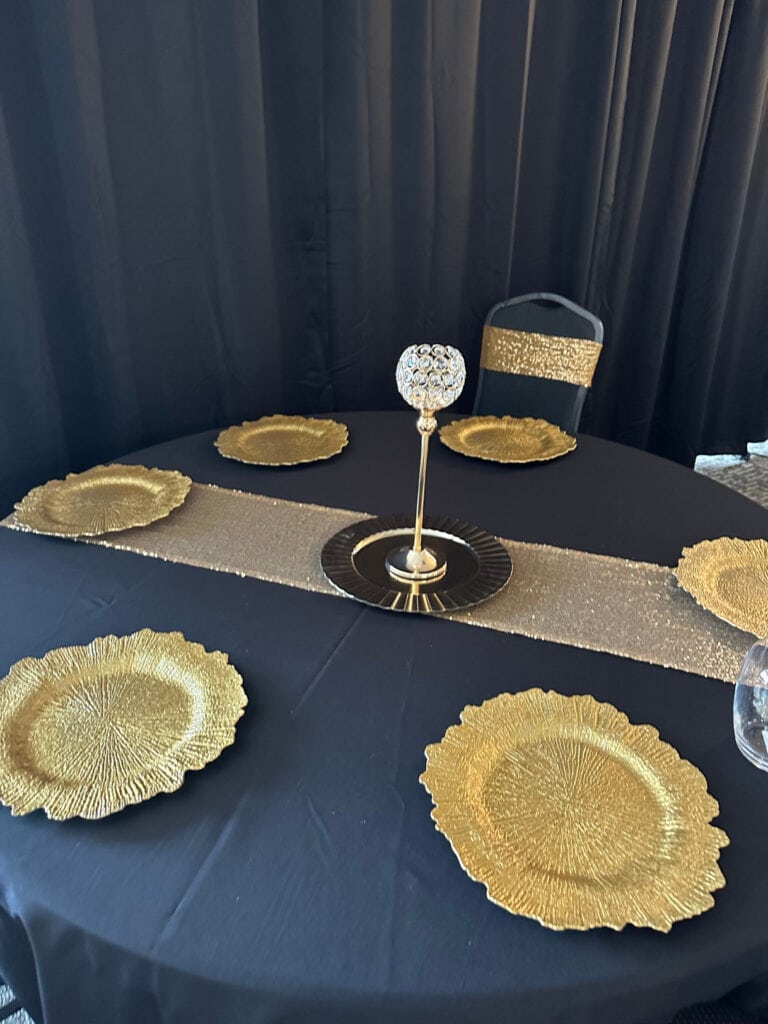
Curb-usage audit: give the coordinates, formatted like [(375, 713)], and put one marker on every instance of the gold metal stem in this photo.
[(421, 490), (417, 563)]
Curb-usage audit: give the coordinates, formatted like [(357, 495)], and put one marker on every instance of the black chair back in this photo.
[(546, 375)]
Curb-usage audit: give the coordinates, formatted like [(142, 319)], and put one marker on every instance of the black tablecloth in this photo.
[(299, 877)]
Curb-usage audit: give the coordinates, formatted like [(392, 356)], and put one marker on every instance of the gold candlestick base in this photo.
[(412, 566)]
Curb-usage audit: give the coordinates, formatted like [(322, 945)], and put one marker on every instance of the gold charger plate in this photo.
[(729, 577), (101, 500), (84, 731), (571, 815), (282, 440), (507, 439)]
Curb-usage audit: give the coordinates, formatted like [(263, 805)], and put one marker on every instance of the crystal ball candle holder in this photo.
[(435, 565), (430, 376)]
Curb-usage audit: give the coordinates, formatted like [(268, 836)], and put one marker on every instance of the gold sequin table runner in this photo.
[(596, 602)]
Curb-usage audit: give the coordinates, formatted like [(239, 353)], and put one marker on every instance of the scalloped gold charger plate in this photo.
[(507, 439), (571, 815), (282, 440), (84, 731), (102, 500), (729, 577)]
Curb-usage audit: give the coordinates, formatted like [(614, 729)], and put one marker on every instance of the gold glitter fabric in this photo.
[(571, 815), (540, 355), (632, 609)]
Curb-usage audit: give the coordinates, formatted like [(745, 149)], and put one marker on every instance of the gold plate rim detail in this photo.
[(505, 432), (148, 495), (534, 836), (67, 714), (701, 571), (322, 439)]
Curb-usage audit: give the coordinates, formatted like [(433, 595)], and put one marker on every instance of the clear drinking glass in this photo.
[(750, 706)]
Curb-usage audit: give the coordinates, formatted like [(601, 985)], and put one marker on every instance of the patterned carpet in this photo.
[(749, 477), (10, 1010)]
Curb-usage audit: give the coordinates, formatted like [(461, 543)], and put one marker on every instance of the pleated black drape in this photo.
[(215, 209)]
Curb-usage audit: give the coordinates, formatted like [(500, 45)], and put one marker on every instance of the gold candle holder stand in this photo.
[(440, 564)]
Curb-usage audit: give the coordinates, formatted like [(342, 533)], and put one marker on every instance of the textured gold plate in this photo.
[(729, 577), (84, 731), (571, 815), (101, 500), (282, 440), (507, 439)]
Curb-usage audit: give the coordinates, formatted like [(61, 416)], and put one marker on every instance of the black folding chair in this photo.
[(538, 358)]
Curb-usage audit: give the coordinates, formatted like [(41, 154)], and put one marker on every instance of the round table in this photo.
[(299, 876)]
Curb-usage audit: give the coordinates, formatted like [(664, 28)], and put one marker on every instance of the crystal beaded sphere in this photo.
[(430, 376)]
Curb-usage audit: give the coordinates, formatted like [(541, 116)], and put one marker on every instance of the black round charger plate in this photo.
[(354, 560)]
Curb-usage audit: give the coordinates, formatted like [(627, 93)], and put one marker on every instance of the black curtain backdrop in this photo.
[(212, 209)]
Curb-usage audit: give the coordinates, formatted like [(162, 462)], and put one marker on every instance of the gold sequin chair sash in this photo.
[(572, 360)]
